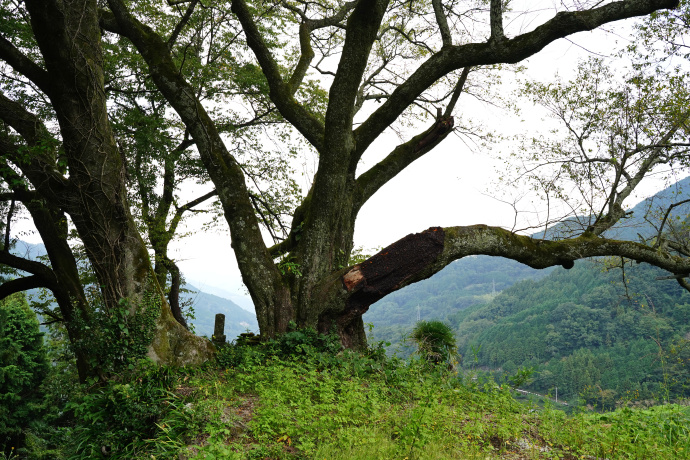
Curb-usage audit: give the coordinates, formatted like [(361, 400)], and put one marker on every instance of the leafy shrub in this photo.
[(116, 339), (296, 344), (23, 366), (303, 342), (119, 417)]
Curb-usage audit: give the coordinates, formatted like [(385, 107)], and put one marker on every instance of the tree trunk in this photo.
[(69, 38), (68, 291)]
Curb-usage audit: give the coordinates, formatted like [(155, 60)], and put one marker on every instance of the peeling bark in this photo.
[(389, 270), (442, 127), (378, 276)]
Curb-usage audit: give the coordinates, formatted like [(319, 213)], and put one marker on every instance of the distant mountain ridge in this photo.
[(205, 305), (243, 301)]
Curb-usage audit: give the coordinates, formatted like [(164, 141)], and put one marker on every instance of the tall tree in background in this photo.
[(612, 131), (160, 156), (379, 60), (23, 366)]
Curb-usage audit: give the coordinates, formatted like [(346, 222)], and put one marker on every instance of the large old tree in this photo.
[(379, 61)]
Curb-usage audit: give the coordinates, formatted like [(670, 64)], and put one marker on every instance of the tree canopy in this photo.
[(105, 104)]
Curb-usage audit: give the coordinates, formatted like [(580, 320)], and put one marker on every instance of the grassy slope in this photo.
[(284, 401)]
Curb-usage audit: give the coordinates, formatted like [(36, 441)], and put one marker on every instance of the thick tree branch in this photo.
[(442, 22), (107, 21), (26, 265), (459, 86), (496, 21), (42, 174), (281, 92), (24, 196), (336, 159), (403, 155), (23, 284), (174, 294), (28, 125), (306, 28), (25, 66), (400, 158), (40, 166), (680, 247), (281, 248), (362, 30), (181, 25), (307, 55), (513, 50), (419, 256), (188, 206), (8, 226), (52, 226)]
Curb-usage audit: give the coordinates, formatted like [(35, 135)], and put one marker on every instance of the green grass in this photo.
[(296, 402)]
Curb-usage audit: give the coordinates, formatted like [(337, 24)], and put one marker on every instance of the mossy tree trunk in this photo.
[(94, 194)]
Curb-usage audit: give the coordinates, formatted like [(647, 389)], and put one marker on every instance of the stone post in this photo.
[(219, 330)]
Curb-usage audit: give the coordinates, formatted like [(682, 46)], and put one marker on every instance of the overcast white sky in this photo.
[(447, 187)]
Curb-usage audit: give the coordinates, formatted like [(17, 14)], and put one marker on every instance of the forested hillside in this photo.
[(587, 332), (463, 283)]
